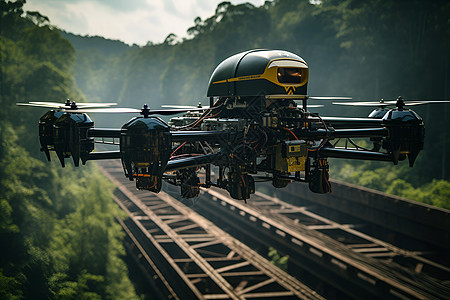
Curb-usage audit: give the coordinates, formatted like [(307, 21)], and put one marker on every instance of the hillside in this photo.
[(58, 235)]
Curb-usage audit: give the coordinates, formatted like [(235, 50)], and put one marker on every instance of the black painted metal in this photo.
[(104, 132), (103, 155), (354, 154), (191, 161)]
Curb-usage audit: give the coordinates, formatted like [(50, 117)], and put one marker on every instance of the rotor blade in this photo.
[(95, 104), (168, 112), (368, 103), (417, 102), (413, 103), (391, 103), (329, 98), (50, 104), (103, 110), (41, 105), (131, 110), (81, 104), (184, 106), (315, 106)]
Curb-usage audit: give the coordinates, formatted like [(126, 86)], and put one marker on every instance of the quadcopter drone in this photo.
[(252, 130)]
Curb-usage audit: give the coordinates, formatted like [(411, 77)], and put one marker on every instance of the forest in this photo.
[(58, 235), (364, 49)]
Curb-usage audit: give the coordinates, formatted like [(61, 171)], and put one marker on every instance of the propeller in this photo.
[(73, 107), (103, 110), (329, 98), (55, 104), (400, 103), (186, 106), (66, 105), (315, 106), (145, 111), (305, 97), (381, 103)]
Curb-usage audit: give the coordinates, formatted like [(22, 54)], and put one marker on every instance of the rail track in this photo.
[(414, 235), (354, 263), (330, 249), (189, 257)]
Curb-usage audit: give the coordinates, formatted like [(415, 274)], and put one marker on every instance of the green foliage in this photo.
[(82, 288), (278, 260), (436, 193), (87, 241), (57, 230), (9, 287), (389, 179)]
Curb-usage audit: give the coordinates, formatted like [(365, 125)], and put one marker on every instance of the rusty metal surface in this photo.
[(337, 251), (418, 220), (364, 260), (193, 257)]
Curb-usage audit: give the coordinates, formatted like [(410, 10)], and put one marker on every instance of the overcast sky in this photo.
[(131, 21)]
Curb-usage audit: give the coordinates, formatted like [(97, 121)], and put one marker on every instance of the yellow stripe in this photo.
[(242, 78), (269, 74)]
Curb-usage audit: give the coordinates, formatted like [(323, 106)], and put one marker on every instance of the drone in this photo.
[(257, 127)]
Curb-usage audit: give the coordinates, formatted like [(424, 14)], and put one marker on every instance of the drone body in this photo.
[(253, 130)]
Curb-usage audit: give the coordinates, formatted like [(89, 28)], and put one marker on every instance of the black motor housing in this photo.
[(406, 134), (46, 123), (70, 136), (145, 147)]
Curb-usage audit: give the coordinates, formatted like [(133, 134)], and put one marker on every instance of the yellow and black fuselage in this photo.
[(259, 73)]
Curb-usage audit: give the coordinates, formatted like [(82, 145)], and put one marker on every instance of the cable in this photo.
[(357, 147), (178, 148), (324, 140), (201, 118), (291, 132)]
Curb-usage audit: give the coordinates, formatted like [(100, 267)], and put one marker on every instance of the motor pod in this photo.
[(190, 183), (406, 134), (145, 146), (70, 137), (319, 177), (240, 186), (46, 123)]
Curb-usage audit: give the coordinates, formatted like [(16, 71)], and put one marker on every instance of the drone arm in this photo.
[(190, 162), (104, 132), (354, 154), (344, 133), (177, 136), (361, 133), (104, 155), (338, 122)]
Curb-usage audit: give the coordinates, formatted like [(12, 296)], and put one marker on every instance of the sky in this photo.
[(131, 21)]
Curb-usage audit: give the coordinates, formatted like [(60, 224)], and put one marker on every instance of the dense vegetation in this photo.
[(365, 49), (58, 236)]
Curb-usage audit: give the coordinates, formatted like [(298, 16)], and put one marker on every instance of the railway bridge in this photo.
[(354, 243)]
